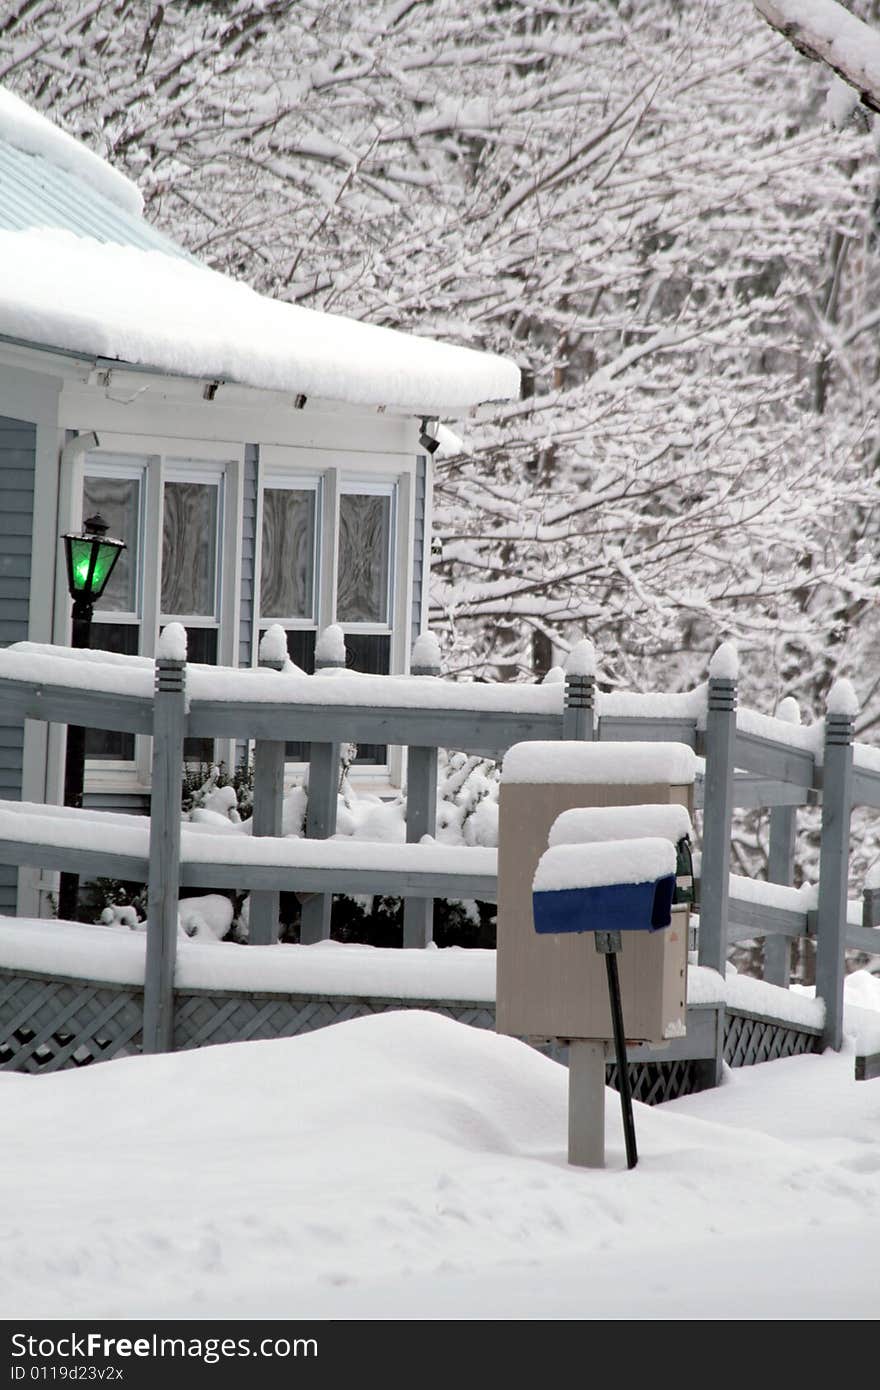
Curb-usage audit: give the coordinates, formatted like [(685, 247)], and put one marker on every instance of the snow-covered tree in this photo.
[(643, 202)]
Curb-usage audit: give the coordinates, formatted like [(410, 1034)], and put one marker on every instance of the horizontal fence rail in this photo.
[(487, 733)]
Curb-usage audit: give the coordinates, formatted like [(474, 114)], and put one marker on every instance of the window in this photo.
[(363, 587), (354, 521), (118, 499), (287, 581), (117, 495), (189, 548), (288, 565), (191, 516), (362, 590), (170, 513)]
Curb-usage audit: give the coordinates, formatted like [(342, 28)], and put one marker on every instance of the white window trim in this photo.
[(352, 486), (174, 473), (129, 472), (279, 467)]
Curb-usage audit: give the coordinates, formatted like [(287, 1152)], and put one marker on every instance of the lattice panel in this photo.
[(654, 1082), (203, 1019), (749, 1040), (48, 1024)]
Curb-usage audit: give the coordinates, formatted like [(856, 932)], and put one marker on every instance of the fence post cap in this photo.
[(171, 645), (842, 699), (724, 663), (789, 710), (273, 648), (581, 660), (425, 659), (330, 648)]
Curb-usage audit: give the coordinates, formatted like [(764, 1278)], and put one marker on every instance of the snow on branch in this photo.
[(827, 33)]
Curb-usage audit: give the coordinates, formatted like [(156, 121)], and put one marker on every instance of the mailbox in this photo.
[(605, 889), (552, 984), (620, 886)]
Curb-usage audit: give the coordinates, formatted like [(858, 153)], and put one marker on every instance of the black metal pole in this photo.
[(626, 1105), (75, 759)]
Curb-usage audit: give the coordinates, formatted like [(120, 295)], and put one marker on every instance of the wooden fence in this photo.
[(745, 767)]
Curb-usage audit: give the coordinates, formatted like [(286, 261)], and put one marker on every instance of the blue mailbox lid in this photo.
[(605, 907)]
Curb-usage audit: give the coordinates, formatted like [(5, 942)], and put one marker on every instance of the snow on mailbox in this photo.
[(587, 825), (625, 885), (552, 984)]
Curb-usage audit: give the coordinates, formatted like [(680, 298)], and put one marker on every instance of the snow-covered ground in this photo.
[(406, 1166)]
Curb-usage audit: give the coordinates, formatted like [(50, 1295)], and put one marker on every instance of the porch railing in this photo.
[(751, 761)]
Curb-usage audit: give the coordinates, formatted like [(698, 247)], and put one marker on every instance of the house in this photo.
[(264, 463)]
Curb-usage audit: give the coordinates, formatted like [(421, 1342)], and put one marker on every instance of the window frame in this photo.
[(100, 771), (275, 478), (328, 472), (173, 473), (157, 461), (354, 485), (279, 467), (135, 471)]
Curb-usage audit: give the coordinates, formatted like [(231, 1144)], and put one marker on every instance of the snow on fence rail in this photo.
[(750, 760)]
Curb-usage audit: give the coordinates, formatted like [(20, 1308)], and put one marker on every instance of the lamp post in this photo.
[(90, 556)]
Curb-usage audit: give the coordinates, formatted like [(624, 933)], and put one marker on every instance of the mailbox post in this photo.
[(607, 888)]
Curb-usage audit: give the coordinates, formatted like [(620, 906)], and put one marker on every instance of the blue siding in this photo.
[(18, 444), (248, 548), (248, 577), (419, 577)]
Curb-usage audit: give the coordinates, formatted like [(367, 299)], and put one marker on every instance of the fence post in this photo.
[(780, 869), (718, 808), (169, 720), (840, 711), (421, 800), (323, 794), (780, 866), (268, 799), (580, 677)]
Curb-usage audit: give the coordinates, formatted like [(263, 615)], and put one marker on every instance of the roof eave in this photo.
[(234, 392)]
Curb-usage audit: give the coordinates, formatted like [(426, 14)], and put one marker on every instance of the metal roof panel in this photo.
[(35, 193)]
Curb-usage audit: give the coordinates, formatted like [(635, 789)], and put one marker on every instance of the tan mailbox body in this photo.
[(555, 986)]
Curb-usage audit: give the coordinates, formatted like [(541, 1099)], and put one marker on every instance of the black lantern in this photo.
[(91, 557)]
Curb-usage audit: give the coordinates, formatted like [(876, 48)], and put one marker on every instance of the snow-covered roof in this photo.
[(36, 192), (27, 130), (69, 283)]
